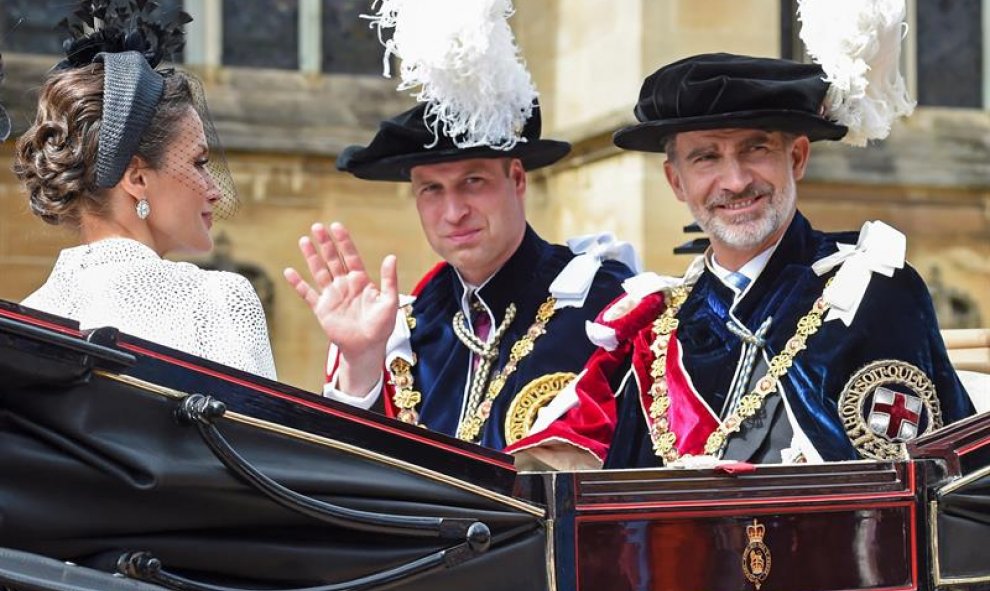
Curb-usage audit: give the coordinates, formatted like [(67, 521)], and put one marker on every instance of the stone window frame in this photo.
[(204, 35)]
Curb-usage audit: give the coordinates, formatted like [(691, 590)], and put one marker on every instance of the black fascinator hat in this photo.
[(405, 141), (720, 91), (130, 42)]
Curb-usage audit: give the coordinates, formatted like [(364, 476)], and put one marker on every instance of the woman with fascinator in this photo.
[(120, 152)]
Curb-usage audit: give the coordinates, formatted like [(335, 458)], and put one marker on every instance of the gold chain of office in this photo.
[(407, 398), (664, 441)]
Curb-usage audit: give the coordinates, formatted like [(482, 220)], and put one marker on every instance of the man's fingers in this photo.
[(329, 250), (307, 293), (346, 247), (318, 269), (390, 278)]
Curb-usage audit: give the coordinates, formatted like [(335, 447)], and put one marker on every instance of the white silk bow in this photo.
[(880, 249), (399, 344), (638, 287), (571, 286), (642, 285)]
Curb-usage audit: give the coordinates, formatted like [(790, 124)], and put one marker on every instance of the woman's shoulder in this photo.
[(179, 285), (223, 289), (186, 273), (221, 280)]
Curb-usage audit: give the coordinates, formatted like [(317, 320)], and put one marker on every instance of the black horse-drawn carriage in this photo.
[(126, 465)]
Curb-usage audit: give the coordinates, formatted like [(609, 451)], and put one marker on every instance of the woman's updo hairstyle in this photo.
[(57, 157)]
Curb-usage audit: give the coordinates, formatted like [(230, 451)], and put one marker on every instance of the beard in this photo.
[(749, 229)]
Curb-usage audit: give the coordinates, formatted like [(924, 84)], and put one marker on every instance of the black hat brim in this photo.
[(533, 154), (650, 136)]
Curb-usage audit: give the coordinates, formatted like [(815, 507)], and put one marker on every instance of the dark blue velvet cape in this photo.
[(896, 321), (441, 370)]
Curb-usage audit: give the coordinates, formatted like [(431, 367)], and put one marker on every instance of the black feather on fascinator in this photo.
[(126, 37), (131, 38), (115, 26)]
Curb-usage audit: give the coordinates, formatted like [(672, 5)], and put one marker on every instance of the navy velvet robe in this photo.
[(895, 321), (443, 362)]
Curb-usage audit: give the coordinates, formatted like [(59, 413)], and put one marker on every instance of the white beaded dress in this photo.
[(122, 283)]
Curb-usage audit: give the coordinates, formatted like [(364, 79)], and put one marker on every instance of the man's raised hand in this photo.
[(355, 314)]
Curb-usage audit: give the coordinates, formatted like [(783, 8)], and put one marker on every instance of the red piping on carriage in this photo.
[(313, 405), (269, 391)]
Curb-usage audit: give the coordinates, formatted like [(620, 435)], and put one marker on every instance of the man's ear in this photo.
[(674, 179), (518, 175), (800, 150), (135, 179)]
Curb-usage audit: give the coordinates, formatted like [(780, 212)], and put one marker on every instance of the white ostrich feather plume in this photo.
[(858, 44), (460, 57)]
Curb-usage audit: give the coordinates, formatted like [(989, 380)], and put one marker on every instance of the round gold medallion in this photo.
[(885, 404), (528, 402)]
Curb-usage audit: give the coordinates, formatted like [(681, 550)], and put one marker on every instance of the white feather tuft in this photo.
[(460, 57), (858, 44)]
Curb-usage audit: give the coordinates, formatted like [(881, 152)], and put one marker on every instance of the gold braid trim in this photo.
[(487, 353), (476, 417), (407, 398), (526, 404), (664, 441)]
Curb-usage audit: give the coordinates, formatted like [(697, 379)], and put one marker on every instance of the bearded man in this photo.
[(782, 344)]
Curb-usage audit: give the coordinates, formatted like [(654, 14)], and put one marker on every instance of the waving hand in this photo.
[(354, 313)]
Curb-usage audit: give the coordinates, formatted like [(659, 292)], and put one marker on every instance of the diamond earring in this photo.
[(143, 209)]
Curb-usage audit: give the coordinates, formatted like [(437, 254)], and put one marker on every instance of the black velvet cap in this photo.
[(401, 143), (724, 91)]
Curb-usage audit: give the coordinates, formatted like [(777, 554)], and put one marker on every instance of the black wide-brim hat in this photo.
[(402, 143), (726, 91)]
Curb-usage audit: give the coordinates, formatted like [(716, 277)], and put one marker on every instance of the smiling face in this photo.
[(181, 191), (472, 212), (740, 185)]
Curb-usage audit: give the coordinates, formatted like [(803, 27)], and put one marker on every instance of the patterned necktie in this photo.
[(737, 280), (481, 325)]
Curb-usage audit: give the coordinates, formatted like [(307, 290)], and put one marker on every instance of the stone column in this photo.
[(204, 35), (310, 36)]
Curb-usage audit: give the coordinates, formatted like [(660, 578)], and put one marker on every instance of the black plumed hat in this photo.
[(722, 91), (405, 141)]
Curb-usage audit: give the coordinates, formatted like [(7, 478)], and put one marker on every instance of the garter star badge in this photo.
[(886, 404), (756, 559)]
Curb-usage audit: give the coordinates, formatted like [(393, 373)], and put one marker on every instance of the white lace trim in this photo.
[(122, 283)]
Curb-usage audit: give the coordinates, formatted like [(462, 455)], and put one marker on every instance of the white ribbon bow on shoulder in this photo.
[(642, 285), (572, 284), (399, 344), (880, 249), (638, 287)]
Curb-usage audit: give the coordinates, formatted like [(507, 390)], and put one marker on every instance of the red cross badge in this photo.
[(885, 404), (895, 415)]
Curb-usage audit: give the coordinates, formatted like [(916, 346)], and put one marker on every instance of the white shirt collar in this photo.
[(751, 269), (469, 290)]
